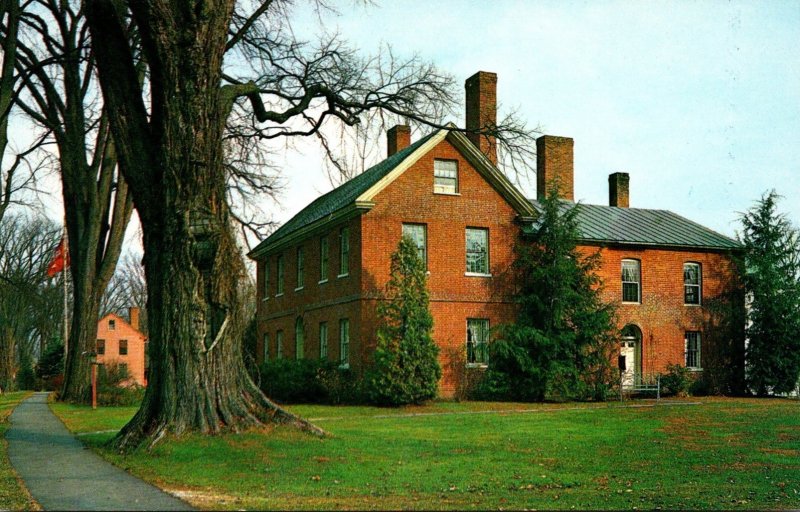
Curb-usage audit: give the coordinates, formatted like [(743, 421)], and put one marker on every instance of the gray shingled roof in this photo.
[(342, 196), (637, 226)]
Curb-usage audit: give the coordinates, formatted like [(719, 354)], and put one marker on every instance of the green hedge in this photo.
[(315, 381)]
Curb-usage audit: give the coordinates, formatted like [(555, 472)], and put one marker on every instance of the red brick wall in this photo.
[(662, 316), (454, 296), (316, 301), (136, 346)]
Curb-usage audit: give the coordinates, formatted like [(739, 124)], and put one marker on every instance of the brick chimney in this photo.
[(618, 191), (133, 316), (554, 166), (481, 94), (397, 138)]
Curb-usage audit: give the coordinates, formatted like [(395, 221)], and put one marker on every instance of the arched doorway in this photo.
[(631, 350)]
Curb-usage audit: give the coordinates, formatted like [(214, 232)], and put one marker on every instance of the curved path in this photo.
[(63, 475)]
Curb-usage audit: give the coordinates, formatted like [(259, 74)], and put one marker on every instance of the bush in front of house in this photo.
[(676, 381), (114, 386), (311, 381)]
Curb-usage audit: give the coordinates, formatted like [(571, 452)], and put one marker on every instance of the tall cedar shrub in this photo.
[(560, 346), (406, 369), (772, 280)]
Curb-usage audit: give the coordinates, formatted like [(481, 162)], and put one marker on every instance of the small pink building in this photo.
[(121, 342)]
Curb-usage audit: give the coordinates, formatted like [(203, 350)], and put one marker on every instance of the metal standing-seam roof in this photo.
[(637, 226), (341, 196)]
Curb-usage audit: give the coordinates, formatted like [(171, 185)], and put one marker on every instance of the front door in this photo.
[(628, 352)]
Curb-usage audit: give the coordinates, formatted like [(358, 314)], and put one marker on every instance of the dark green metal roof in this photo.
[(637, 226), (342, 196)]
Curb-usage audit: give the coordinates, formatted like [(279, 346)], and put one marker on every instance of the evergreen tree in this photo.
[(406, 367), (772, 280), (51, 363), (560, 345)]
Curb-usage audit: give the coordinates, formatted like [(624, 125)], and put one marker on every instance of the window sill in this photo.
[(476, 274), (342, 275), (344, 366), (694, 369), (692, 305), (322, 282), (477, 365), (439, 193), (299, 288), (632, 303), (265, 299), (279, 294)]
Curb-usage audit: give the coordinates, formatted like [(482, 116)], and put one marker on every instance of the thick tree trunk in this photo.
[(7, 350), (196, 313)]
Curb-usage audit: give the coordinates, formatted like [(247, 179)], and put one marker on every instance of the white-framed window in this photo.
[(279, 345), (279, 290), (445, 176), (418, 234), (344, 251), (477, 249), (477, 341), (693, 350), (266, 279), (323, 340), (631, 281), (692, 283), (299, 339), (301, 274), (344, 342), (266, 347), (323, 259)]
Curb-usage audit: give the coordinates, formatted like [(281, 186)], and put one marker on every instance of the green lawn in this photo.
[(722, 453), (13, 496)]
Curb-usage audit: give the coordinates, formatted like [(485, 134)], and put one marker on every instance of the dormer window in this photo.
[(445, 177)]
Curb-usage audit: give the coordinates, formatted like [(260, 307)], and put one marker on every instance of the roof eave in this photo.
[(354, 209), (656, 245), (492, 174)]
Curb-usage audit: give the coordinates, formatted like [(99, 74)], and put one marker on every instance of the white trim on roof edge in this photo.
[(485, 168)]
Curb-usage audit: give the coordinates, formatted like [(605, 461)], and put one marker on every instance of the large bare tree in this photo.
[(218, 66), (59, 93), (30, 304), (18, 171)]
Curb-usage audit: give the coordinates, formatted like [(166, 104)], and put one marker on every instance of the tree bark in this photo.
[(7, 351), (196, 310)]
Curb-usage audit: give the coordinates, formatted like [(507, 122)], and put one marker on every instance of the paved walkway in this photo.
[(63, 475)]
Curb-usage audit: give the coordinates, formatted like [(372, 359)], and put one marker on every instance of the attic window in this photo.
[(112, 325), (445, 177)]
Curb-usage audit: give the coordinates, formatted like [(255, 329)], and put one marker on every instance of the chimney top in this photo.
[(398, 138), (133, 317), (555, 166), (481, 107), (618, 189)]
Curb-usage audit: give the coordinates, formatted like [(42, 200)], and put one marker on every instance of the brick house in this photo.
[(120, 342), (320, 275)]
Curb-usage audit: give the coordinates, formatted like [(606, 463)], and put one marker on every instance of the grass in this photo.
[(720, 453), (13, 495)]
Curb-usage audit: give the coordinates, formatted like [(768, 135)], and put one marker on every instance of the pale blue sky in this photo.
[(698, 101)]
